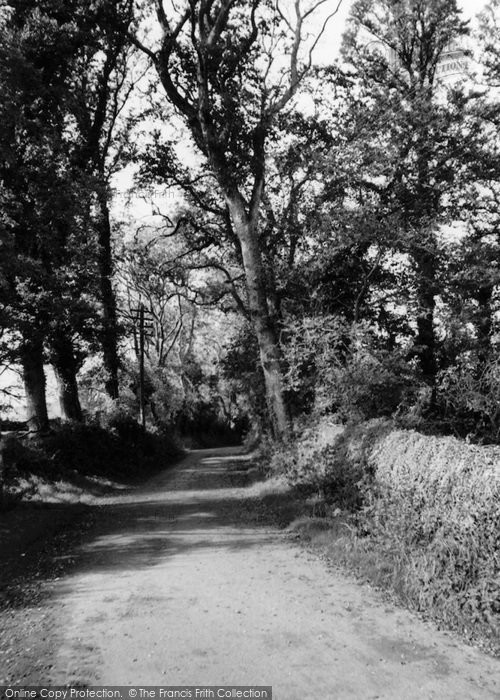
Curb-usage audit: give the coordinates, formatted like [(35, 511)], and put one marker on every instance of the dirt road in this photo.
[(173, 587)]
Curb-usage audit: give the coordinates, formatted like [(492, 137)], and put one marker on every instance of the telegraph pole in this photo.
[(142, 407), (142, 325)]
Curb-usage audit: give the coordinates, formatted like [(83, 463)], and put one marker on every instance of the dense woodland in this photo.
[(323, 238)]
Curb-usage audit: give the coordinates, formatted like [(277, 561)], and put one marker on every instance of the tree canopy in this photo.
[(325, 238)]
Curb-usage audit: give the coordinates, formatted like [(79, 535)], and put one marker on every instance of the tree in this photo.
[(32, 171), (104, 78), (48, 53), (489, 37), (416, 130), (219, 64)]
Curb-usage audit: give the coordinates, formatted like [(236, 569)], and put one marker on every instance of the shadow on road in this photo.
[(203, 502)]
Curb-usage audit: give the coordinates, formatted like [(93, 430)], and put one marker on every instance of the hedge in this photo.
[(422, 516)]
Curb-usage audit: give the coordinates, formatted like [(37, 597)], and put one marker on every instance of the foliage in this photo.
[(348, 368), (353, 210), (469, 396), (434, 507), (119, 450), (330, 462), (422, 512), (240, 367)]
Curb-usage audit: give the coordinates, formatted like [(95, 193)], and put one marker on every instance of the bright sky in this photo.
[(330, 44), (327, 49)]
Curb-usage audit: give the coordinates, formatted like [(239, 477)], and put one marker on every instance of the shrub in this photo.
[(423, 515), (121, 451), (122, 448), (469, 400), (435, 507), (347, 367), (331, 461), (301, 463)]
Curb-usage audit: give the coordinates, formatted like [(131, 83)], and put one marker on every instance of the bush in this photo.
[(346, 367), (423, 515), (434, 506), (300, 463), (332, 462), (121, 450), (469, 400)]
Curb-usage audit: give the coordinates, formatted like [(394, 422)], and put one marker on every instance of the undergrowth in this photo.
[(417, 514), (73, 452)]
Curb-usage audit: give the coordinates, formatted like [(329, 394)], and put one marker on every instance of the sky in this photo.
[(327, 50), (330, 45)]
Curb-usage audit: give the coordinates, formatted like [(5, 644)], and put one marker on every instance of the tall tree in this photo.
[(32, 162), (50, 281), (221, 65), (104, 79), (414, 124), (489, 42)]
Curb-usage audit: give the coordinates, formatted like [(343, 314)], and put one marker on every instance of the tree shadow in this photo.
[(203, 504)]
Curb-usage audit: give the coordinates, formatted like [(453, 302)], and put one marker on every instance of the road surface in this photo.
[(173, 586)]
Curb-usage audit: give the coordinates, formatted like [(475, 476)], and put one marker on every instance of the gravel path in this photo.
[(172, 586)]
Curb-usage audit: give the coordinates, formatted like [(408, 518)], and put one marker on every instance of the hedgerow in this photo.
[(434, 507), (121, 450), (422, 516)]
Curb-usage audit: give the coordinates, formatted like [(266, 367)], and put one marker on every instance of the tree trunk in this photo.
[(34, 385), (484, 324), (425, 207), (270, 355), (110, 331), (65, 369), (426, 300)]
